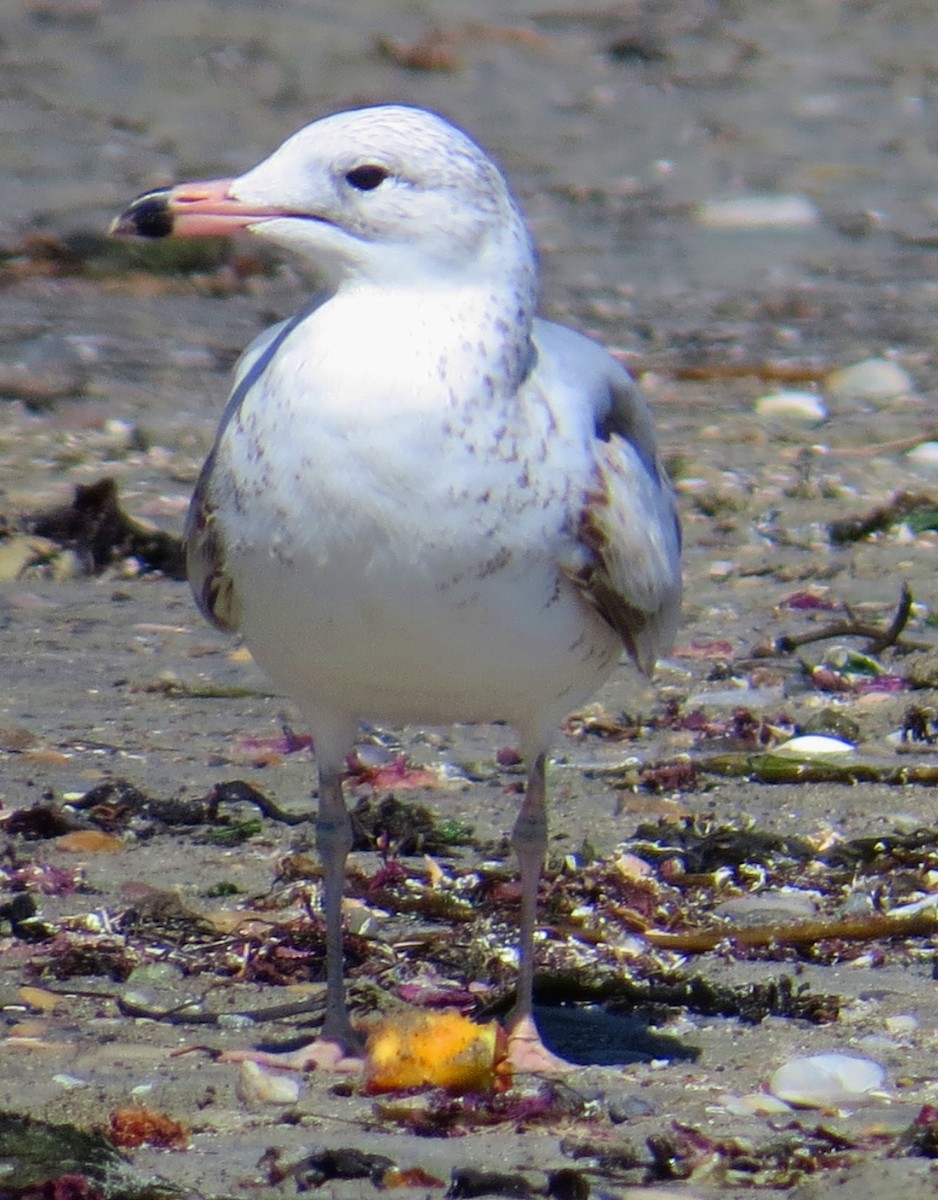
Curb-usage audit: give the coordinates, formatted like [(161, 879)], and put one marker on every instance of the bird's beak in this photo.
[(206, 209)]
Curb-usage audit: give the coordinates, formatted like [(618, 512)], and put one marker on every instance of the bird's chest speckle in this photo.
[(397, 550), (446, 489)]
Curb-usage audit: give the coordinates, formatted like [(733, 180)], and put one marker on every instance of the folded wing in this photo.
[(627, 560)]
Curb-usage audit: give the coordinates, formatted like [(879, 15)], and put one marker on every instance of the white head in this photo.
[(387, 195)]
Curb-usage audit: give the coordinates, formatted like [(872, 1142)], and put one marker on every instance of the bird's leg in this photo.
[(333, 842), (526, 1051), (338, 1047)]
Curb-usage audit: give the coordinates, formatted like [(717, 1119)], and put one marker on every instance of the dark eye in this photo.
[(367, 177)]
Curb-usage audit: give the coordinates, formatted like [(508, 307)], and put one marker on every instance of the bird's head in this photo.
[(390, 195)]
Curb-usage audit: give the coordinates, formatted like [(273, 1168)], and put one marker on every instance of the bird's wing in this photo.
[(211, 584), (627, 560)]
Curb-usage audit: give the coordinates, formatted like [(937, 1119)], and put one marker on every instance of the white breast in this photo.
[(403, 563)]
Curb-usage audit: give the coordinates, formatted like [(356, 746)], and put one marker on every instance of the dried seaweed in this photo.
[(321, 1166), (779, 768), (704, 847), (33, 1152), (468, 1182), (399, 828), (901, 507), (98, 530)]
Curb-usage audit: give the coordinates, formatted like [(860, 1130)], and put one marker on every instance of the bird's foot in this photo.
[(341, 1053), (527, 1053)]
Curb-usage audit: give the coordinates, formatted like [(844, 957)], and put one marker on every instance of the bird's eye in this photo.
[(366, 177)]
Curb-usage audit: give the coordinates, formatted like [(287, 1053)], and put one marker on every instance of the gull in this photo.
[(424, 503)]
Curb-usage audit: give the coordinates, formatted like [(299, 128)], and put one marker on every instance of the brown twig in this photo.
[(880, 638)]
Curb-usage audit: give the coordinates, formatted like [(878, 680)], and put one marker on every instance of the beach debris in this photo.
[(55, 1159), (136, 1125), (417, 1048), (439, 1114), (879, 638), (258, 1086), (791, 406), (815, 745), (925, 454), (47, 369), (875, 380), (826, 1080), (919, 511), (469, 1182), (434, 50), (319, 1167), (758, 211), (921, 1137), (402, 828), (96, 529)]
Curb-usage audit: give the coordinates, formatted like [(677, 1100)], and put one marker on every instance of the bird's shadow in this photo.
[(590, 1035)]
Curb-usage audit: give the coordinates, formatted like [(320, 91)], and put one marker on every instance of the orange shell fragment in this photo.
[(418, 1049)]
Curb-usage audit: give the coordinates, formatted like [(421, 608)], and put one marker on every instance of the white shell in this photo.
[(826, 1080), (873, 379), (925, 454), (757, 212), (815, 743), (793, 405)]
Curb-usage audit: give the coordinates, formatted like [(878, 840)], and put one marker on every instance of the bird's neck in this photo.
[(470, 339)]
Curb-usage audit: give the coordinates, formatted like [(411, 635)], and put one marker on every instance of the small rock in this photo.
[(791, 405), (826, 1080), (22, 555), (857, 904), (873, 380), (155, 974), (901, 1025), (70, 1083), (48, 368), (234, 1021), (627, 1108), (769, 908)]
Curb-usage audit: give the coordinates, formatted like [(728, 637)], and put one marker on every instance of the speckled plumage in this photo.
[(424, 504)]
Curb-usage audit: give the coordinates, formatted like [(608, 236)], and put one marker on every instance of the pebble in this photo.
[(925, 454), (758, 211), (792, 406), (258, 1086), (48, 368), (762, 697), (826, 1080), (857, 904), (769, 908), (70, 1083), (901, 1025), (155, 974), (627, 1108), (234, 1021), (874, 379), (915, 907), (21, 555)]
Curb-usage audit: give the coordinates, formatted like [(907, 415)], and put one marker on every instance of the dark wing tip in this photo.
[(148, 216)]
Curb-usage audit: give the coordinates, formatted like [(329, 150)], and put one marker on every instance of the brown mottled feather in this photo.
[(212, 586)]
